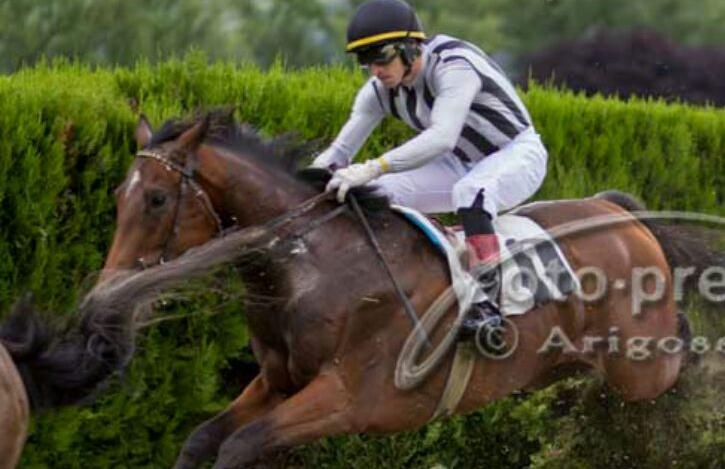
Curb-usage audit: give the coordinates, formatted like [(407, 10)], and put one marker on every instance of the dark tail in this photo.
[(685, 247), (62, 364)]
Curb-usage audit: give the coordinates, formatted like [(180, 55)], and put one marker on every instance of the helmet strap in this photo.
[(408, 69), (406, 50), (408, 56)]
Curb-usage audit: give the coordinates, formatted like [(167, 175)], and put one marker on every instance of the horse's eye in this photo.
[(157, 201)]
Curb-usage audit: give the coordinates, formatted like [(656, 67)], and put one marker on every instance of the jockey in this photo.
[(476, 152)]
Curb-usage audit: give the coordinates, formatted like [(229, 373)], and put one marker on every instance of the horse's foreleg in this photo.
[(205, 440), (322, 408)]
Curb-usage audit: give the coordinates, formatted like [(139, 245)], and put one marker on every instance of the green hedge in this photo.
[(65, 141)]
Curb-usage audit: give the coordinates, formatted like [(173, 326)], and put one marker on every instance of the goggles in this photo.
[(378, 55)]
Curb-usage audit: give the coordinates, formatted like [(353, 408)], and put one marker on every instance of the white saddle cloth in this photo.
[(534, 271)]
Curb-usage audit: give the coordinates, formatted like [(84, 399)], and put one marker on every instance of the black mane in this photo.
[(283, 152)]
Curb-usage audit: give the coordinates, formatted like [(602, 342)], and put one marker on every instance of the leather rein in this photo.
[(188, 180), (187, 173)]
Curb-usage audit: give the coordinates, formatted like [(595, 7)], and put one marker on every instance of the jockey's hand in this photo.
[(326, 160), (353, 176)]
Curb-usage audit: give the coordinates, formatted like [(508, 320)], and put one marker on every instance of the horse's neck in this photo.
[(255, 193), (252, 193), (247, 190)]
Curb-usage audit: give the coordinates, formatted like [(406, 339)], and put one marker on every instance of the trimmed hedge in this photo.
[(65, 141)]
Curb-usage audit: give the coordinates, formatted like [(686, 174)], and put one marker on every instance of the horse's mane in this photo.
[(285, 152)]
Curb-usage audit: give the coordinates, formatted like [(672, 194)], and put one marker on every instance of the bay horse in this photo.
[(326, 325)]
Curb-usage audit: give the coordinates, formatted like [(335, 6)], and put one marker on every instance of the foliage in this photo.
[(668, 155), (141, 419), (504, 435), (301, 31), (641, 63), (684, 428), (65, 133), (115, 31), (63, 143), (307, 32), (122, 31), (534, 24)]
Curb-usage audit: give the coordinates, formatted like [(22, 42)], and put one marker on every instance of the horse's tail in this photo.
[(685, 247), (62, 364)]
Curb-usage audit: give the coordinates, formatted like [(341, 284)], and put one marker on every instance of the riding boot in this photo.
[(483, 320), (483, 323), (483, 256)]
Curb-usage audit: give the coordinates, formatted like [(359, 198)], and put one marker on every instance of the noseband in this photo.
[(187, 180)]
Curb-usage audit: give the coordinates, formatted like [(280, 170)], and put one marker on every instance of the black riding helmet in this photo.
[(381, 29)]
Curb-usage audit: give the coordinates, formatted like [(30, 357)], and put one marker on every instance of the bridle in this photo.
[(187, 181), (188, 172)]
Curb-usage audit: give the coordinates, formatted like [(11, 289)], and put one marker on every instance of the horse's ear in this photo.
[(143, 132), (192, 138)]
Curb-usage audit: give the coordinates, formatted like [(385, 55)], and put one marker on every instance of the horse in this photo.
[(47, 362), (14, 411), (326, 323)]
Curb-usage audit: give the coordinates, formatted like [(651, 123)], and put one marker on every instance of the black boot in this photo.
[(490, 283), (483, 314), (483, 322)]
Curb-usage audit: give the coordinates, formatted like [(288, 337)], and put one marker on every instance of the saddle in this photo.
[(534, 271)]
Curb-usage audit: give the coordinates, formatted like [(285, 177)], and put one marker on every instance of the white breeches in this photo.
[(508, 177)]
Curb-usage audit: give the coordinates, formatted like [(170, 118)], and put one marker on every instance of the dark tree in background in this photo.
[(641, 62)]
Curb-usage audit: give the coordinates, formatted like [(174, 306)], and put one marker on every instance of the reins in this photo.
[(407, 305), (187, 173)]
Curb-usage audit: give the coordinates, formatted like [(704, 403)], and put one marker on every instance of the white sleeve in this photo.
[(457, 87), (365, 116)]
